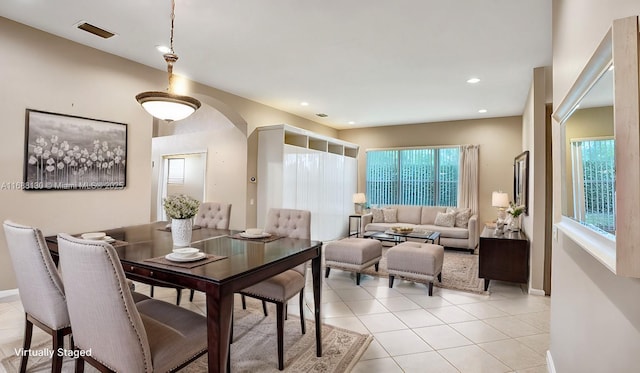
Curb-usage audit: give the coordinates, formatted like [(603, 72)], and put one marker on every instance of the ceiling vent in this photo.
[(97, 31), (322, 115)]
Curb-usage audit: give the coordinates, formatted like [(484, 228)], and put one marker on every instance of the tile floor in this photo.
[(452, 331)]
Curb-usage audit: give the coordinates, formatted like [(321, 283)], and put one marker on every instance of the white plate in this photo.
[(261, 235), (172, 257), (93, 236)]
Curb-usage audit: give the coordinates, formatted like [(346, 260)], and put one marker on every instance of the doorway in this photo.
[(182, 174)]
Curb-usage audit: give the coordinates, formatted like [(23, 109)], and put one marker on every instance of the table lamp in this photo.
[(359, 199), (501, 201)]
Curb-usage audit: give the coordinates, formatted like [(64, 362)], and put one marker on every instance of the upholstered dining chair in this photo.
[(213, 215), (41, 289), (284, 286), (123, 336)]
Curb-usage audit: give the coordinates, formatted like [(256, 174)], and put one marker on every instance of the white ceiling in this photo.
[(374, 62)]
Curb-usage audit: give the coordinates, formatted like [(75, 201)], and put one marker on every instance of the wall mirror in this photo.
[(521, 181), (599, 121)]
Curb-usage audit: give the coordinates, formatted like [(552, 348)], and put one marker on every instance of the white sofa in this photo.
[(424, 217)]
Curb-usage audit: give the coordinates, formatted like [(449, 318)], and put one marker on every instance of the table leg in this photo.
[(219, 314), (317, 289)]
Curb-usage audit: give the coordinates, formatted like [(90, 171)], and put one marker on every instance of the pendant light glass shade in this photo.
[(168, 105)]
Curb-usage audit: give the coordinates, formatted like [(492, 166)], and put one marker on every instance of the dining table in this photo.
[(231, 264)]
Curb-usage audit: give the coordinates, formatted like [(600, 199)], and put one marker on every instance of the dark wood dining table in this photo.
[(246, 262)]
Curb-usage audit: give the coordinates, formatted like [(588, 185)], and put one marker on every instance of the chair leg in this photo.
[(231, 334), (440, 277), (191, 294), (58, 342), (302, 322), (376, 266), (28, 331), (326, 272), (244, 302), (358, 278), (151, 291), (178, 296), (79, 365), (280, 327), (430, 288), (264, 308), (390, 281)]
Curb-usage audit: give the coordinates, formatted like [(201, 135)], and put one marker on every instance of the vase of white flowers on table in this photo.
[(514, 219), (181, 209)]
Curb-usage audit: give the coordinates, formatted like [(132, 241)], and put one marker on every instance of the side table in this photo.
[(503, 257), (358, 219)]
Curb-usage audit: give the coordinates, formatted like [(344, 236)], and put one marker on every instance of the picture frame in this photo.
[(521, 180), (66, 152)]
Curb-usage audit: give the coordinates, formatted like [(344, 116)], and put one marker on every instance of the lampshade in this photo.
[(499, 199), (359, 198), (168, 105)]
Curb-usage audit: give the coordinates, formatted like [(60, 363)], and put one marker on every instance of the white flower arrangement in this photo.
[(515, 210), (180, 206)]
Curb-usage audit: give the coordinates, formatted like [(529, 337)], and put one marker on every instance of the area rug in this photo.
[(254, 348), (459, 271)]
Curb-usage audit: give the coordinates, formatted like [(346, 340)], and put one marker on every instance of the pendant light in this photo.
[(168, 105)]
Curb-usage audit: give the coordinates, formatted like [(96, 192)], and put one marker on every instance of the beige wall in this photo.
[(48, 73), (226, 162), (500, 140), (533, 140), (595, 315), (42, 72)]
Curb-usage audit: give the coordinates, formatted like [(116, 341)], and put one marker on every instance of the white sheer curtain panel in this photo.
[(468, 178)]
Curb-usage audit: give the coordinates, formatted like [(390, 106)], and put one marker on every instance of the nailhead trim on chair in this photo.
[(43, 244), (103, 247)]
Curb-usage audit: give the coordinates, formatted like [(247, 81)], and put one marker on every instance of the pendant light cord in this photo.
[(173, 16), (171, 57)]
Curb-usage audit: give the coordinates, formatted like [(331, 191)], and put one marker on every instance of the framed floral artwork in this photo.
[(65, 152)]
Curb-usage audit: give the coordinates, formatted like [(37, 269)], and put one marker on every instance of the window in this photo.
[(176, 171), (420, 176), (594, 182)]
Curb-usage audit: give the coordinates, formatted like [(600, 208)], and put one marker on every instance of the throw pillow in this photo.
[(462, 216), (390, 215), (444, 219), (378, 216)]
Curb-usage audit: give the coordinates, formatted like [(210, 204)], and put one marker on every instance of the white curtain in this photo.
[(468, 185)]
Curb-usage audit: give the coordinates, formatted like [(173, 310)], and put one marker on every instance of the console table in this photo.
[(503, 257)]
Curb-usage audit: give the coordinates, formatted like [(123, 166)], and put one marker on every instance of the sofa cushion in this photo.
[(428, 215), (381, 227), (390, 215), (446, 232), (378, 216), (462, 216), (444, 219), (408, 213)]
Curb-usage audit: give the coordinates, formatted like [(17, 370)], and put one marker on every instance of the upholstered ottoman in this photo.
[(352, 254), (419, 262)]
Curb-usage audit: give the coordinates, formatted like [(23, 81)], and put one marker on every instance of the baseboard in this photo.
[(533, 291), (8, 293), (550, 367)]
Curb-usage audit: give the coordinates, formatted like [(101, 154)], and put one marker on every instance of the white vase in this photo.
[(514, 223), (181, 232)]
